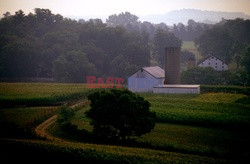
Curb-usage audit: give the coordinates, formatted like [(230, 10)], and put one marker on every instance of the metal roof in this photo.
[(176, 86), (155, 71)]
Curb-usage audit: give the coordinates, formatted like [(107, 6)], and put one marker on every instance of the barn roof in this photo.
[(155, 71), (205, 58)]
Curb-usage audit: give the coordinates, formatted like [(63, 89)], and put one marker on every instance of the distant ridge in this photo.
[(184, 15)]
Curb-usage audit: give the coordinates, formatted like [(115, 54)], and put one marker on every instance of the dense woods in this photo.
[(47, 45), (43, 44)]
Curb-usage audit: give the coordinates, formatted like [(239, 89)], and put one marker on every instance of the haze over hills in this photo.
[(184, 15), (176, 16)]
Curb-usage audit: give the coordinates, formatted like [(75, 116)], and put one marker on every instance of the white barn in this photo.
[(213, 62), (145, 79)]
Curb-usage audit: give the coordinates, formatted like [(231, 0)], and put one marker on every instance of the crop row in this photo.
[(210, 109), (40, 94), (225, 89), (19, 122), (80, 152)]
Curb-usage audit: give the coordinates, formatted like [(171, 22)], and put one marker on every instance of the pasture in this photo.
[(210, 124), (190, 46), (206, 128), (35, 94)]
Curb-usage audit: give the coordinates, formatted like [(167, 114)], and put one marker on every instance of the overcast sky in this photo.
[(108, 7)]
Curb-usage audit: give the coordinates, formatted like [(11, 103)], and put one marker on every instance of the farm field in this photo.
[(211, 124), (206, 128), (209, 110), (190, 46), (35, 94), (91, 153), (20, 121), (23, 115)]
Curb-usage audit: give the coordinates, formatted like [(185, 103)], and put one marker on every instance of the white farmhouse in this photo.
[(145, 79), (213, 62)]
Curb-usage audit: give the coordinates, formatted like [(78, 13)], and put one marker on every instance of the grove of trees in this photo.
[(47, 45), (208, 76), (228, 40)]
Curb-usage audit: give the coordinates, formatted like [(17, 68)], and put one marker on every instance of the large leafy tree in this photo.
[(246, 63), (119, 113), (18, 57), (73, 67), (120, 66), (199, 75), (216, 41), (164, 39), (127, 20), (227, 40)]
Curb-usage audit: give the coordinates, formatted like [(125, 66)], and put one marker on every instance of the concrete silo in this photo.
[(172, 65)]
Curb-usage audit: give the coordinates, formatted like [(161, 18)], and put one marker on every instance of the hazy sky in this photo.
[(108, 7)]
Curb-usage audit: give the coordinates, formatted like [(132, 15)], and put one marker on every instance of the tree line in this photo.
[(229, 41), (43, 44), (132, 23)]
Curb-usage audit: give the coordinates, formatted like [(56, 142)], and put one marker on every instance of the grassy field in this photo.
[(36, 94), (19, 122), (205, 128), (225, 89), (211, 124), (23, 116), (91, 153), (209, 110), (190, 46)]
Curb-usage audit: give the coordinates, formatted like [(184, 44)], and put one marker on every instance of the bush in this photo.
[(208, 76), (65, 114)]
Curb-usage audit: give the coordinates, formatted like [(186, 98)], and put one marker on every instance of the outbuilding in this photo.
[(213, 62), (146, 78)]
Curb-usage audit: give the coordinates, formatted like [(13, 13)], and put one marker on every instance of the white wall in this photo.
[(143, 82), (215, 63)]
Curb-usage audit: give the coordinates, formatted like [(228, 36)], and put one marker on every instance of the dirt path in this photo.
[(42, 129)]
